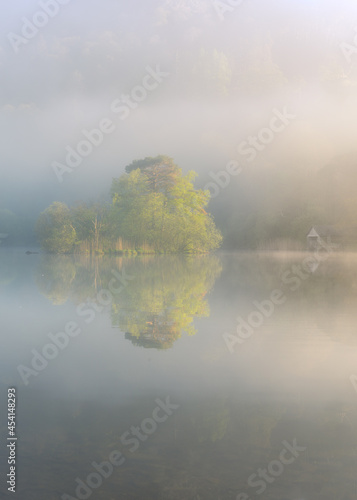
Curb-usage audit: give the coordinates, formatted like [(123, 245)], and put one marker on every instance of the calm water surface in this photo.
[(154, 370)]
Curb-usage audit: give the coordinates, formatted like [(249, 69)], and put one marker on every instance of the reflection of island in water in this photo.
[(153, 308)]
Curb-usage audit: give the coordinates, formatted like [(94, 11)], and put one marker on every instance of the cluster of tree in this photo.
[(154, 208)]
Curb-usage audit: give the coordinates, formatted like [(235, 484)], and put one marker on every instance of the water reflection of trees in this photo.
[(55, 277), (162, 300)]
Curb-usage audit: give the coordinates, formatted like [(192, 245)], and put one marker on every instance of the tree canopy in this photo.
[(154, 208), (55, 229), (156, 204)]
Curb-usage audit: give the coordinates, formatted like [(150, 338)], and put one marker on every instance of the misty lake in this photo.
[(228, 376)]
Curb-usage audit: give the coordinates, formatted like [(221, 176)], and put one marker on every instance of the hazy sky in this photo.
[(224, 69)]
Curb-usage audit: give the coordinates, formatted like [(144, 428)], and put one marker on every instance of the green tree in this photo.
[(90, 223), (130, 213), (154, 208), (188, 227), (161, 173), (154, 203), (55, 229)]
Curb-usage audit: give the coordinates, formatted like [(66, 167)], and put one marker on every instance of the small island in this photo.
[(154, 208)]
